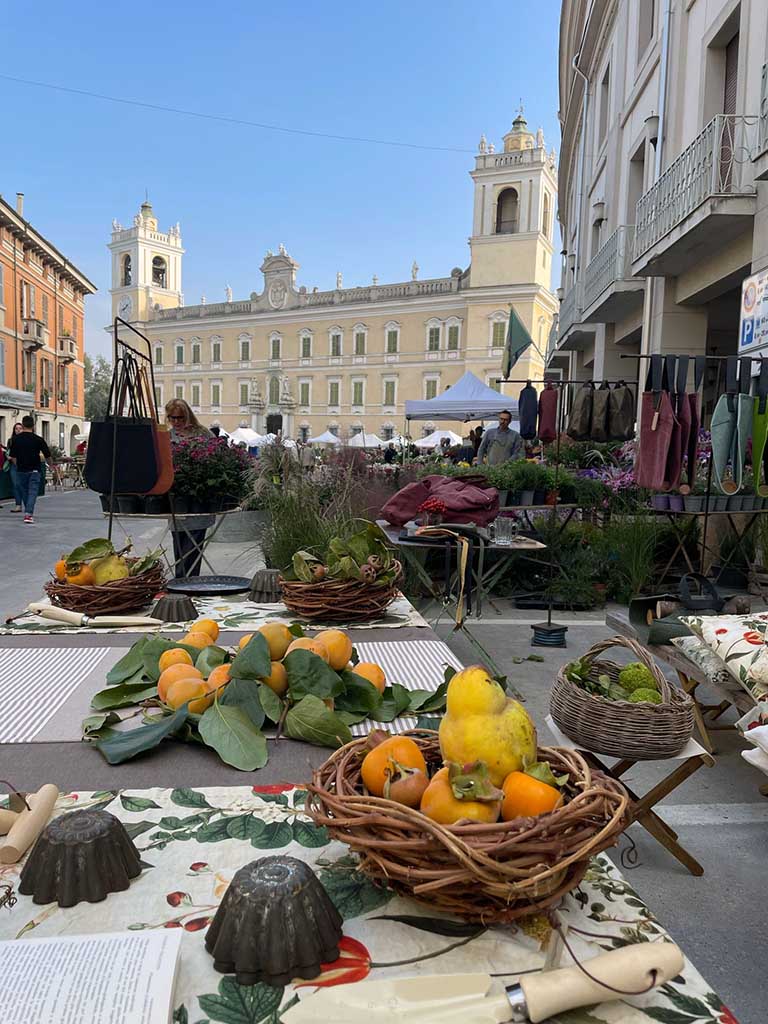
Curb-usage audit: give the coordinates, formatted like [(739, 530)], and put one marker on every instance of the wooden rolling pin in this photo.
[(29, 824), (7, 821)]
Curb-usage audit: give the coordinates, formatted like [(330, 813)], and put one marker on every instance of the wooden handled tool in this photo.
[(29, 824), (49, 611)]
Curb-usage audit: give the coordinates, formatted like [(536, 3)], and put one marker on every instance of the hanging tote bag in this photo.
[(548, 413), (723, 430), (760, 431), (121, 456), (621, 413), (580, 420), (695, 414), (162, 438), (656, 422), (678, 443), (600, 402)]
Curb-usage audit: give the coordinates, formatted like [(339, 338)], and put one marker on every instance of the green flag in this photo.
[(518, 340)]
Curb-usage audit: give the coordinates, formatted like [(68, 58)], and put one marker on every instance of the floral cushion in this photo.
[(739, 641), (713, 667)]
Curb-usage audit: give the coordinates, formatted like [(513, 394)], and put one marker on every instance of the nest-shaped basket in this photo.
[(127, 595), (486, 873), (339, 600), (643, 731)]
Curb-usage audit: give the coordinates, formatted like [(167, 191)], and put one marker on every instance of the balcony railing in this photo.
[(570, 311), (716, 163), (34, 333), (762, 142), (611, 264), (67, 348)]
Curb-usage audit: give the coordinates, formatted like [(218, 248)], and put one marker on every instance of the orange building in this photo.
[(42, 321)]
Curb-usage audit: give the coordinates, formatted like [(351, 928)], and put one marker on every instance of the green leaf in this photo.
[(434, 701), (253, 661), (348, 569), (213, 831), (234, 737), (352, 892), (129, 664), (448, 673), (358, 694), (270, 702), (95, 723), (273, 836), (428, 722), (123, 695), (172, 823), (245, 694), (308, 673), (125, 745), (355, 658), (138, 803), (136, 828), (100, 547), (188, 798), (241, 1004), (395, 701), (307, 834), (210, 658), (296, 629), (146, 562), (310, 720), (665, 1015), (348, 718), (245, 827)]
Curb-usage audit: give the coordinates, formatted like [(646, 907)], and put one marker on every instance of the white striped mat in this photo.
[(415, 664), (34, 683)]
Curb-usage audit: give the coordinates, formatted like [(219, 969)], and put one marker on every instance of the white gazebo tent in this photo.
[(246, 436), (325, 438), (468, 399), (434, 439), (363, 440)]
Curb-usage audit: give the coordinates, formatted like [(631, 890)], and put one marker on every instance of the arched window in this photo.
[(159, 272), (545, 218), (125, 277), (507, 212), (274, 390)]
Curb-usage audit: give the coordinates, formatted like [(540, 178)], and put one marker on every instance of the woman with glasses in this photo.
[(187, 542)]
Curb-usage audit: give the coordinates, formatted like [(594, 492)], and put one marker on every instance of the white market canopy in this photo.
[(362, 440), (244, 435), (325, 438), (467, 399), (433, 440)]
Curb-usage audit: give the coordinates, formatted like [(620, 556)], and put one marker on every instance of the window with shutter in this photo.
[(179, 355), (389, 392), (158, 356), (2, 361), (274, 391), (304, 393), (32, 300), (215, 351), (274, 348), (333, 393), (306, 347), (196, 353), (335, 344), (391, 341), (357, 392), (499, 334), (216, 395), (453, 337), (196, 395), (430, 388), (731, 75), (433, 339), (243, 393), (45, 308), (245, 350), (360, 344)]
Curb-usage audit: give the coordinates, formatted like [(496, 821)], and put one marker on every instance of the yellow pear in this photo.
[(110, 568)]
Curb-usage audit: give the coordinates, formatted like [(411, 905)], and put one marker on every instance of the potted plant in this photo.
[(209, 474), (660, 502), (676, 503), (694, 502), (527, 478)]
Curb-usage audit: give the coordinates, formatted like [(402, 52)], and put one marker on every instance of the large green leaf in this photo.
[(253, 661), (308, 673), (358, 694), (270, 702), (95, 723), (245, 694), (137, 803), (351, 892), (100, 547), (234, 737), (210, 658), (273, 836), (432, 702), (146, 562), (122, 695), (307, 834), (241, 1004), (129, 664), (310, 720), (245, 827), (125, 745), (188, 798), (395, 701)]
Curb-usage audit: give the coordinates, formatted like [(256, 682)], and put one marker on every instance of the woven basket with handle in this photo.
[(484, 873), (640, 732)]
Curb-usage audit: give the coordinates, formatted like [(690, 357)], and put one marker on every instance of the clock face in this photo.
[(124, 307)]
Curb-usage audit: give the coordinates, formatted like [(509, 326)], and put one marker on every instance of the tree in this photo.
[(98, 377)]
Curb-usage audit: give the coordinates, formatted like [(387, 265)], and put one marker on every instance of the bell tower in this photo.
[(514, 209), (146, 266)]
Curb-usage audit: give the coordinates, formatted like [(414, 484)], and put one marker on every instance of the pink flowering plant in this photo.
[(208, 468)]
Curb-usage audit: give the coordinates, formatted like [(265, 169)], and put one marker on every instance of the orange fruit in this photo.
[(192, 690), (441, 804), (198, 639), (173, 674), (60, 569), (278, 637), (305, 643), (83, 577), (206, 626), (219, 676), (178, 656), (277, 679), (526, 797), (245, 640), (339, 647), (380, 763), (373, 673)]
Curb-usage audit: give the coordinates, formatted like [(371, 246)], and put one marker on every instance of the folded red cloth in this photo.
[(468, 499)]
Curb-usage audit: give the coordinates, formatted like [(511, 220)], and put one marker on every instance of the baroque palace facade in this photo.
[(304, 361)]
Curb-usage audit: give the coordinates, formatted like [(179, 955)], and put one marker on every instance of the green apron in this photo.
[(760, 429)]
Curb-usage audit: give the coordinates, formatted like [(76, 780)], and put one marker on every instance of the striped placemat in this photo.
[(415, 664), (35, 683)]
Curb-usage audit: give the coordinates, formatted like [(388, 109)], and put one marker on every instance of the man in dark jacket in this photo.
[(24, 451)]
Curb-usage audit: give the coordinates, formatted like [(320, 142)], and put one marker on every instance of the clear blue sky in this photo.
[(433, 74)]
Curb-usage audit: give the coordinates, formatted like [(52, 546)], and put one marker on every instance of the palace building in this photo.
[(303, 361)]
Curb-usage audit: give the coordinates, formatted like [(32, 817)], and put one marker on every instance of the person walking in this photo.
[(188, 541), (17, 428), (307, 459), (501, 444), (25, 451)]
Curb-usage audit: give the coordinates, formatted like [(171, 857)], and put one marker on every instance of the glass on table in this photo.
[(504, 530)]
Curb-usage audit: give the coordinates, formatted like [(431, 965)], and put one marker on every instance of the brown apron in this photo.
[(656, 424)]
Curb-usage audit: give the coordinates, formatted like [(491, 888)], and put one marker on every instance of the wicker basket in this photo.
[(641, 732), (339, 600), (485, 873), (128, 595)]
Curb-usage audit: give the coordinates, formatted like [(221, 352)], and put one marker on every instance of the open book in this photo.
[(114, 978)]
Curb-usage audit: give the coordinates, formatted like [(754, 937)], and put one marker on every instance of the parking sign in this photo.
[(753, 328)]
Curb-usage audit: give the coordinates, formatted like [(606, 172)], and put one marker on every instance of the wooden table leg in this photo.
[(690, 685)]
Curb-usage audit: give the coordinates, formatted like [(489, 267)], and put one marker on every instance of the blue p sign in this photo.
[(747, 331)]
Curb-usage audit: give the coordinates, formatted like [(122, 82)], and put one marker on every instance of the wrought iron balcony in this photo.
[(610, 290), (762, 141), (570, 311), (718, 163)]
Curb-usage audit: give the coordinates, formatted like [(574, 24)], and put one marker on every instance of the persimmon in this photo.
[(209, 626), (526, 797), (219, 677), (244, 640), (382, 762), (60, 569), (82, 576), (373, 673), (339, 647), (277, 679), (305, 643), (441, 803), (197, 639), (177, 656), (192, 691), (278, 637), (172, 674)]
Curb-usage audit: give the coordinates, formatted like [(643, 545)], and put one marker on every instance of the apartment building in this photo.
[(42, 319), (662, 179)]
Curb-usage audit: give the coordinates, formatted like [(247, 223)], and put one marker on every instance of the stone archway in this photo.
[(73, 436), (274, 423)]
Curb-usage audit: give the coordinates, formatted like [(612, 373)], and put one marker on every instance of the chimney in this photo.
[(20, 203)]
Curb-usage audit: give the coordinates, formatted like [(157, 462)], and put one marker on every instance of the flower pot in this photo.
[(105, 503), (694, 502), (676, 503), (551, 498), (719, 503), (539, 497), (130, 504), (660, 502), (156, 504), (735, 502), (513, 498), (526, 497), (748, 503), (180, 504), (200, 506)]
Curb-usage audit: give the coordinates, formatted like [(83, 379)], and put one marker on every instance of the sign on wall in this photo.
[(753, 328)]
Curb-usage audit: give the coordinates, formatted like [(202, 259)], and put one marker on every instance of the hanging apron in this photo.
[(674, 464), (621, 413), (744, 411), (548, 414), (760, 431), (580, 420), (656, 423), (699, 366), (723, 430), (600, 401), (527, 408), (678, 445)]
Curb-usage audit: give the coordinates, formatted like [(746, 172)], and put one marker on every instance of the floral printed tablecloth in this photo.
[(193, 840)]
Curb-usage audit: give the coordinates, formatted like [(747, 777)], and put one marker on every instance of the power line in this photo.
[(231, 120)]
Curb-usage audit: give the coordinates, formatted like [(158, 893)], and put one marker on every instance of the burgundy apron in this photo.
[(695, 411), (548, 413), (657, 420), (678, 444)]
